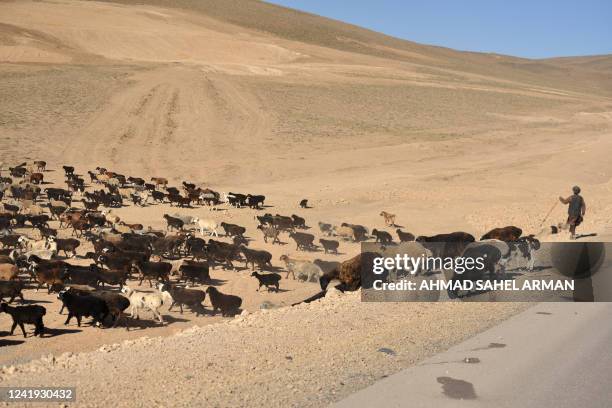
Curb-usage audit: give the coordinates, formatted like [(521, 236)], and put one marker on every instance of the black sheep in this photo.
[(404, 236), (11, 289), (222, 252), (159, 271), (330, 245), (382, 236), (67, 245), (68, 169), (10, 241), (116, 304), (192, 271), (298, 222), (254, 201), (232, 230), (81, 275), (267, 280), (228, 304), (174, 223), (32, 314), (192, 298), (88, 306), (303, 240), (254, 256)]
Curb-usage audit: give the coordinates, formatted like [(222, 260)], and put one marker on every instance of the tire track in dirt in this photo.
[(170, 118)]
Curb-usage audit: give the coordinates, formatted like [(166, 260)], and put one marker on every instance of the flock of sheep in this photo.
[(173, 258), (34, 254)]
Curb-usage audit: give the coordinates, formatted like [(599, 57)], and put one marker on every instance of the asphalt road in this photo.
[(553, 355)]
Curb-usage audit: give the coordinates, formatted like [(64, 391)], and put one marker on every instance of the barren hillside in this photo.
[(244, 96)]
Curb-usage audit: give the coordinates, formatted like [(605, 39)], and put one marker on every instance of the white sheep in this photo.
[(301, 270), (111, 218), (209, 225), (46, 254), (146, 301), (31, 244), (346, 233), (187, 219)]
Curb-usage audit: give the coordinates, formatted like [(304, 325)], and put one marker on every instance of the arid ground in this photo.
[(249, 97)]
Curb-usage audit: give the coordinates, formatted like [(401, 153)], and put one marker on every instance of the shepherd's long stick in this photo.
[(549, 212)]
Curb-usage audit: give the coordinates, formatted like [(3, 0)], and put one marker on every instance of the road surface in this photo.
[(553, 355)]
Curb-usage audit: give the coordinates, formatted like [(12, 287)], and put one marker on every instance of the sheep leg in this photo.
[(159, 316), (22, 330), (68, 319), (181, 307), (13, 327), (172, 304)]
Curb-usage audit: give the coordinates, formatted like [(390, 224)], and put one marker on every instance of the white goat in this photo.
[(146, 301), (111, 218), (301, 270), (209, 225), (33, 245)]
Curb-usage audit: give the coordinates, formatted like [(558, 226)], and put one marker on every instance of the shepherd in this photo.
[(575, 210)]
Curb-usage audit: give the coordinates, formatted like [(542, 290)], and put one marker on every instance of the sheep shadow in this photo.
[(332, 253), (314, 248), (241, 268), (268, 268), (33, 302), (280, 290), (215, 282), (6, 343), (149, 323), (54, 332)]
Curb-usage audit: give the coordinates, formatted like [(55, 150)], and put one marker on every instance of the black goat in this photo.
[(267, 280), (84, 306), (67, 245), (32, 314), (298, 222), (255, 201), (382, 236), (233, 230), (228, 304), (330, 245), (183, 296), (11, 290), (303, 240), (174, 223), (159, 271), (254, 256), (194, 271), (404, 236)]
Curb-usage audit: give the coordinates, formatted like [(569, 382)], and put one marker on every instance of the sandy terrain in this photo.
[(245, 96)]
